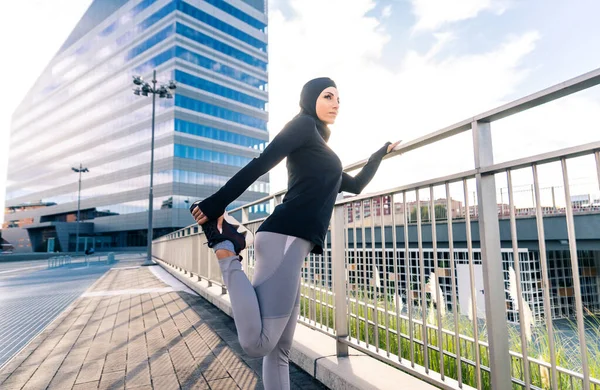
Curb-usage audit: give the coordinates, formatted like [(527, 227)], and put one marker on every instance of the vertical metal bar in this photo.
[(385, 283), (576, 281), (423, 296), (364, 260), (347, 261), (313, 266), (546, 284), (472, 286), (489, 233), (597, 154), (375, 271), (321, 267), (339, 282), (356, 275), (409, 297), (438, 297), (396, 275), (454, 293), (209, 267), (517, 269)]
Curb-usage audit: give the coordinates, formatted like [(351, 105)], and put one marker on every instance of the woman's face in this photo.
[(328, 104)]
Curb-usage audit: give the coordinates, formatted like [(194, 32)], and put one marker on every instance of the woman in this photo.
[(266, 310)]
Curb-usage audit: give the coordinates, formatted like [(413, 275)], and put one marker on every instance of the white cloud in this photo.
[(386, 12), (378, 104), (432, 14)]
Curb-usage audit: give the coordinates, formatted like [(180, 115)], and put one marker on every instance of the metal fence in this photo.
[(416, 276)]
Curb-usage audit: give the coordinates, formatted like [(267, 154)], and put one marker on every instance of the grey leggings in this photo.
[(265, 311)]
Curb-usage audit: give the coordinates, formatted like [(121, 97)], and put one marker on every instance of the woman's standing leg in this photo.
[(276, 365)]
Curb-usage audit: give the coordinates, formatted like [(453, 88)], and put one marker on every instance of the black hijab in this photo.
[(308, 102)]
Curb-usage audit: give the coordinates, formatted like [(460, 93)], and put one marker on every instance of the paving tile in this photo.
[(223, 384), (113, 380), (138, 374), (86, 386), (161, 365), (165, 382), (115, 362), (215, 370), (246, 378), (191, 378), (63, 380), (90, 371), (19, 377), (229, 358)]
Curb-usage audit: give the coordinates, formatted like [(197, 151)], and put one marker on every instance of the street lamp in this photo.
[(80, 171), (163, 91)]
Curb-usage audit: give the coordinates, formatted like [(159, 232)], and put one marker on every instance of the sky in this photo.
[(404, 68)]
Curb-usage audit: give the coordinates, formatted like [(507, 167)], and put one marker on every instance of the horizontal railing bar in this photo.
[(549, 94), (414, 186), (554, 92), (544, 158), (425, 140)]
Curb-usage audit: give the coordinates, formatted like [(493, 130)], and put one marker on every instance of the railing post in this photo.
[(491, 258), (208, 272), (339, 279)]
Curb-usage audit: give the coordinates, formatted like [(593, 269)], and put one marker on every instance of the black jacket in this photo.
[(315, 178)]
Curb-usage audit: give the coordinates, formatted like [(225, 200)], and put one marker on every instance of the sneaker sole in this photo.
[(248, 236)]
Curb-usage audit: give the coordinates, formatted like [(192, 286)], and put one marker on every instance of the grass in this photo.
[(567, 356)]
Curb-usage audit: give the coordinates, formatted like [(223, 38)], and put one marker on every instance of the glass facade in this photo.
[(82, 110)]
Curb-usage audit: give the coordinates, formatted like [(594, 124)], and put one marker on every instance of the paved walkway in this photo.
[(131, 330)]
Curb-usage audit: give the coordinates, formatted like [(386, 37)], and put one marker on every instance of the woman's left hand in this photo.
[(392, 146)]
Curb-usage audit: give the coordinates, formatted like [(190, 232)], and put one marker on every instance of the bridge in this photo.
[(420, 286)]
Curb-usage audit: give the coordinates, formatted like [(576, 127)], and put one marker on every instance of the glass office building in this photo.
[(82, 110)]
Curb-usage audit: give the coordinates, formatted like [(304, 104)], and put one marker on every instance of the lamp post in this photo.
[(163, 91), (80, 171)]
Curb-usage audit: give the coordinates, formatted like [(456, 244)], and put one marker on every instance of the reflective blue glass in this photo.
[(221, 135), (140, 7), (220, 25), (158, 15), (231, 10), (219, 112), (217, 89), (218, 67), (150, 42), (108, 30), (184, 151), (219, 46), (154, 62)]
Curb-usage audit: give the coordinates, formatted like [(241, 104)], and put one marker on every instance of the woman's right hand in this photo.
[(199, 216)]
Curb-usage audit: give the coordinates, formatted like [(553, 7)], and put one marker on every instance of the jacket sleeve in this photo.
[(357, 183), (293, 136)]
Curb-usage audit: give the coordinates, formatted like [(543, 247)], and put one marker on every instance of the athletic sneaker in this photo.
[(232, 230)]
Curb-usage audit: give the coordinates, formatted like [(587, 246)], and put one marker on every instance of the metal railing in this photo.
[(59, 261), (418, 277)]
